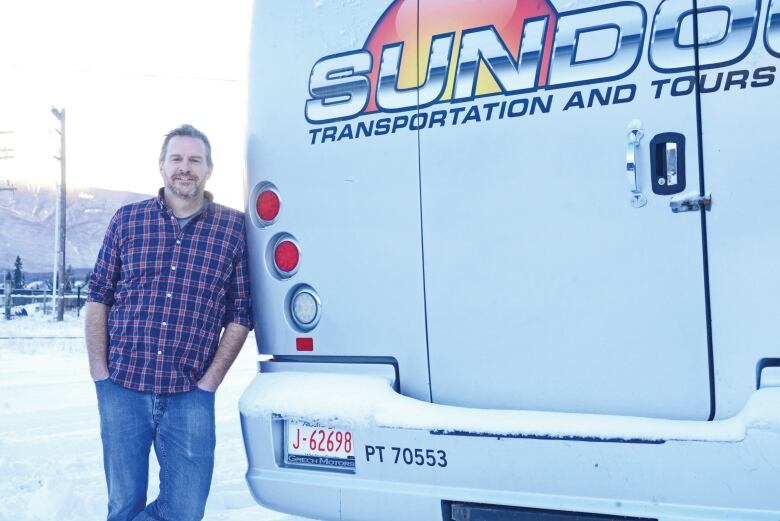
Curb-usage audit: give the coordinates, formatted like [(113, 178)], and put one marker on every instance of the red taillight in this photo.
[(286, 257), (268, 205)]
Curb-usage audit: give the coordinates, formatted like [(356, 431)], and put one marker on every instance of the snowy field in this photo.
[(51, 465)]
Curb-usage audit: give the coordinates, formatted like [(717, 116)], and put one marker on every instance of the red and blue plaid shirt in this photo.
[(171, 291)]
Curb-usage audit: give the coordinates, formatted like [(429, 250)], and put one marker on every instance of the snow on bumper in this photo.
[(363, 401), (661, 469)]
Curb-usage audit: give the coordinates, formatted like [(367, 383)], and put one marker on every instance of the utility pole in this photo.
[(8, 297), (7, 152), (61, 207), (8, 187)]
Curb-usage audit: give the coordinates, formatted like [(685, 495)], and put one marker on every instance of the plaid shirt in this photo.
[(171, 291)]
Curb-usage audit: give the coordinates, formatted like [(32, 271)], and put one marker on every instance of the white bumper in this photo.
[(638, 467)]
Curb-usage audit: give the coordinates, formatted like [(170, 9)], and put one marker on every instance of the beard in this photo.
[(192, 191)]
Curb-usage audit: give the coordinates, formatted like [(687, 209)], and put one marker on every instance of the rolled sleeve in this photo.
[(238, 304), (102, 282)]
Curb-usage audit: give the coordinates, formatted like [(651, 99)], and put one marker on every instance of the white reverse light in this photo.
[(305, 308)]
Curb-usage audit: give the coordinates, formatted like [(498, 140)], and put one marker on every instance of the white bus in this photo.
[(515, 259)]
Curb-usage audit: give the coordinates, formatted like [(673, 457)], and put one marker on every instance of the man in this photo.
[(171, 274)]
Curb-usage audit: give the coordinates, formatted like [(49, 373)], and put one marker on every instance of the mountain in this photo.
[(27, 225)]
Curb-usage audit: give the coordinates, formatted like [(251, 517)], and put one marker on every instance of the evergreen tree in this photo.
[(18, 275)]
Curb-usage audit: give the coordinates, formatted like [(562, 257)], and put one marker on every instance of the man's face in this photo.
[(184, 170)]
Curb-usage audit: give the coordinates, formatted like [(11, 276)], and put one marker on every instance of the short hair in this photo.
[(187, 131)]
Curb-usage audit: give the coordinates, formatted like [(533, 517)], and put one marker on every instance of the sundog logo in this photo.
[(470, 49)]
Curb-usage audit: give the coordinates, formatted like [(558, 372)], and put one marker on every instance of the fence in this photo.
[(40, 300)]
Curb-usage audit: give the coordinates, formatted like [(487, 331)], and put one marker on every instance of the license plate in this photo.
[(318, 446)]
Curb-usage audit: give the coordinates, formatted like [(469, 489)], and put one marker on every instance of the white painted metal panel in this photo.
[(352, 205), (739, 121), (546, 289)]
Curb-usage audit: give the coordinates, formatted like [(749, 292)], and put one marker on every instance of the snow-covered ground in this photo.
[(51, 464)]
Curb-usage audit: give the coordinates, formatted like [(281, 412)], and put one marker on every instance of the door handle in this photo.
[(671, 164), (638, 200), (667, 163)]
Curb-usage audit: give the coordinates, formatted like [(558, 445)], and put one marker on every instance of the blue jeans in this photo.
[(181, 427)]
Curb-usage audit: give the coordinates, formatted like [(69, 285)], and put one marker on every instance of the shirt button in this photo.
[(169, 295), (159, 352), (173, 268), (165, 324), (178, 242)]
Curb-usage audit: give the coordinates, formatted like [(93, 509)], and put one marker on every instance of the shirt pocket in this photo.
[(215, 268), (145, 258)]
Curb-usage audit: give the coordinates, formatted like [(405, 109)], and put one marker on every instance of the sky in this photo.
[(126, 73)]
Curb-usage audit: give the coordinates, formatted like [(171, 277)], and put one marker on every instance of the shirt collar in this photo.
[(208, 198)]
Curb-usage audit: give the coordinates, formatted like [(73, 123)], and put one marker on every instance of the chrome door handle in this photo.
[(671, 164), (638, 200)]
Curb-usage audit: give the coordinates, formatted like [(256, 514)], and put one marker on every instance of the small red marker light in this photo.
[(268, 205), (286, 257), (304, 344)]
